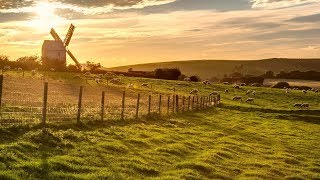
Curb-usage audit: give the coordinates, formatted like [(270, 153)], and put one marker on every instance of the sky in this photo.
[(124, 32)]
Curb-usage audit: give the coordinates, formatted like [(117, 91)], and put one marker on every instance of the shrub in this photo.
[(194, 78), (281, 85), (168, 73)]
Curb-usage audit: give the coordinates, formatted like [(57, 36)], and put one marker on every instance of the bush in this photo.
[(194, 78), (168, 73), (281, 85)]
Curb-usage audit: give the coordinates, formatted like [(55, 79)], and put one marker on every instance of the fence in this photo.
[(35, 101)]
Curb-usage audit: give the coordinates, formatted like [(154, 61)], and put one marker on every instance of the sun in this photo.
[(45, 17)]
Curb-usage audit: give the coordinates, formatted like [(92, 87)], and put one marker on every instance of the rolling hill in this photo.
[(217, 68)]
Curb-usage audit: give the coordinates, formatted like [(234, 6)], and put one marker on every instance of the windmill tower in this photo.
[(54, 51)]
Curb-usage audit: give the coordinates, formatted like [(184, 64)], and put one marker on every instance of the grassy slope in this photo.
[(211, 68), (268, 139)]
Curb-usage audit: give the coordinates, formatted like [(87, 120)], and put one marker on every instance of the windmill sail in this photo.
[(74, 59), (69, 35), (55, 35)]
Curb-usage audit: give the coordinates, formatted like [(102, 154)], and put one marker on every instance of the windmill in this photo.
[(54, 52)]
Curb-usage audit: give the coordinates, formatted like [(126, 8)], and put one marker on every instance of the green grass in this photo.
[(269, 139)]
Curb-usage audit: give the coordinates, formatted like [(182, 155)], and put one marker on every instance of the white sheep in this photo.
[(297, 105), (187, 79), (97, 80), (206, 82), (194, 91), (243, 84), (304, 91), (236, 86), (250, 100), (34, 72), (121, 74), (19, 69), (305, 105), (287, 90), (215, 93), (226, 90), (316, 91), (226, 83), (145, 85), (236, 98), (6, 68), (254, 93), (87, 74), (52, 69), (248, 92)]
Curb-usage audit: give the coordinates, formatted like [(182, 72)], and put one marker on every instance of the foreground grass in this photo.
[(221, 143)]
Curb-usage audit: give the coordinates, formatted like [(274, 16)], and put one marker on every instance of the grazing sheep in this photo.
[(226, 83), (226, 91), (206, 82), (52, 69), (115, 81), (33, 72), (287, 90), (187, 79), (254, 93), (316, 91), (19, 69), (77, 77), (248, 92), (145, 85), (7, 68), (130, 86), (236, 98), (121, 75), (304, 91), (97, 80), (87, 74), (194, 91), (250, 100), (236, 86), (297, 105), (243, 84), (215, 93), (305, 105)]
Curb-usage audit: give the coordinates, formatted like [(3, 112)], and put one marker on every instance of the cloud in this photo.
[(274, 4), (307, 19), (11, 4)]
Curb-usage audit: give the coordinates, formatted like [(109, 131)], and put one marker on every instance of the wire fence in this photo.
[(34, 101)]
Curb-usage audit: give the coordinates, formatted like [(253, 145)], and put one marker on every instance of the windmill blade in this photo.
[(74, 59), (55, 35), (69, 35)]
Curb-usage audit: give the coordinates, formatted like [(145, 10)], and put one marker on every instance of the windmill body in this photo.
[(54, 51)]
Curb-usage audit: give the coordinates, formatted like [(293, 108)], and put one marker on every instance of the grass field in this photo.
[(269, 139)]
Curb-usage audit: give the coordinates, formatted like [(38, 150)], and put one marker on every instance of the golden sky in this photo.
[(122, 32)]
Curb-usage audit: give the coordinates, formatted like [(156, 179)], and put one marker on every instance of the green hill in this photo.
[(217, 68)]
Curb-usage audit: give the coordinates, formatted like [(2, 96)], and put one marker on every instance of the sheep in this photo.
[(297, 105), (87, 74), (236, 98), (6, 68), (130, 86), (316, 91), (121, 75), (243, 84), (115, 81), (287, 90), (215, 93), (236, 86), (97, 80), (226, 83), (304, 91), (254, 93), (305, 105), (248, 92), (52, 69), (145, 85), (206, 82), (19, 69), (250, 100), (226, 90), (187, 79), (194, 91), (33, 72), (77, 77)]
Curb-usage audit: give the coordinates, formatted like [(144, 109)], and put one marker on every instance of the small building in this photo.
[(54, 54)]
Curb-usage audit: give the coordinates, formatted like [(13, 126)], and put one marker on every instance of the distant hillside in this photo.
[(217, 68)]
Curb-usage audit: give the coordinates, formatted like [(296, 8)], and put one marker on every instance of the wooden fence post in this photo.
[(79, 104), (192, 104), (168, 108), (45, 102), (173, 103), (138, 105), (1, 87), (183, 103), (149, 106), (102, 105), (177, 103), (160, 103), (23, 73), (197, 102), (122, 106), (189, 98)]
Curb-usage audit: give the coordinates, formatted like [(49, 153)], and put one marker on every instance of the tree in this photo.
[(93, 66), (28, 62), (194, 78), (167, 73), (269, 74)]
